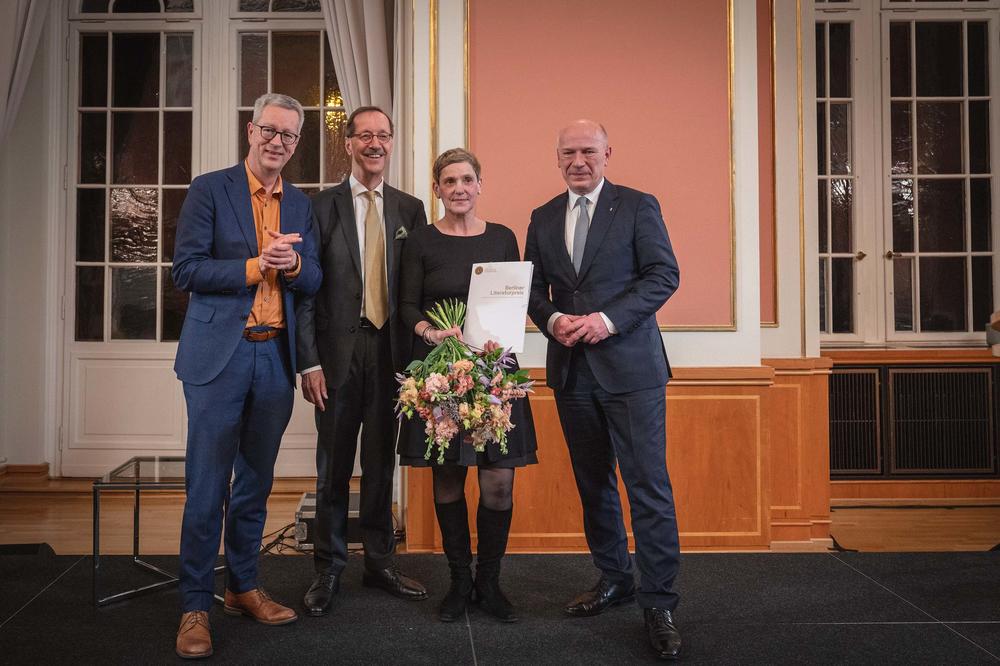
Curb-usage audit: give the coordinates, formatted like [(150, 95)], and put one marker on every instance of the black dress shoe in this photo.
[(663, 634), (604, 595), (320, 594), (393, 581)]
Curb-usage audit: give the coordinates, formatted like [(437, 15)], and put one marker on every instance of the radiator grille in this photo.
[(854, 422), (941, 420)]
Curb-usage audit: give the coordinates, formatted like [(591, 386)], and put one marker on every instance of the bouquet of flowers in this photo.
[(460, 388)]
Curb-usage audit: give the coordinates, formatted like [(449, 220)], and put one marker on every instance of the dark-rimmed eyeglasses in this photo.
[(267, 133), (366, 137)]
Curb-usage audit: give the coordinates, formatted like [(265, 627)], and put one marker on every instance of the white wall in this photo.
[(25, 169)]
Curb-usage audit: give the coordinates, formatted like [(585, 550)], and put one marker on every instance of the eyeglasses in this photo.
[(366, 137), (267, 133)]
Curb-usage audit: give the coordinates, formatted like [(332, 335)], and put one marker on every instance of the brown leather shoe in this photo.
[(257, 604), (194, 640)]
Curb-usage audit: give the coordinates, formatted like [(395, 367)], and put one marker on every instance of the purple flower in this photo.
[(493, 399), (437, 413), (484, 380)]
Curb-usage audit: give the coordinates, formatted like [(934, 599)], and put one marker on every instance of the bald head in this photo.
[(583, 152)]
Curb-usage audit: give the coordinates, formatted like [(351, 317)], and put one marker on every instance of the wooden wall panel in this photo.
[(747, 452)]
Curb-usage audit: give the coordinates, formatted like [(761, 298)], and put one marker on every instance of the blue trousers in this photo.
[(601, 429), (235, 424)]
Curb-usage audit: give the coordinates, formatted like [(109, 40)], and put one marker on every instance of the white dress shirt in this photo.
[(572, 216)]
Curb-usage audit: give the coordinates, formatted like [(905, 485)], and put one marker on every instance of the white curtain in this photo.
[(360, 45), (21, 24)]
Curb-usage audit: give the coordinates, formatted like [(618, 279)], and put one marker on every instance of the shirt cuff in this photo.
[(254, 276), (310, 369), (607, 322), (552, 321), (294, 273)]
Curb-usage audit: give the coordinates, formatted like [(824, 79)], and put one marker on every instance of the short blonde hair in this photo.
[(455, 156)]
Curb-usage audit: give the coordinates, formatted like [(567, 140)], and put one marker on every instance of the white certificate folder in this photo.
[(498, 304)]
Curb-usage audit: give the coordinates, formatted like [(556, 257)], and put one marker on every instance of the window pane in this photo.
[(179, 5), (90, 303), (133, 224), (899, 59), (136, 69), (822, 295), (331, 87), (174, 306), (902, 285), (94, 6), (90, 224), (982, 292), (93, 148), (172, 202), (841, 214), (295, 6), (177, 147), (842, 291), (821, 138), (822, 217), (295, 65), (939, 59), (840, 60), (979, 137), (942, 294), (820, 60), (136, 6), (978, 60), (179, 56), (253, 5), (136, 142), (133, 303), (942, 215), (338, 162), (253, 66), (980, 209), (93, 70), (939, 137), (902, 215), (241, 136), (840, 138), (902, 138), (304, 165)]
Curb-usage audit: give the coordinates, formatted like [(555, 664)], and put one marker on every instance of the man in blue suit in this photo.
[(245, 250), (603, 267)]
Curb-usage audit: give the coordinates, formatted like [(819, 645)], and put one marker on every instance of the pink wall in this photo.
[(765, 137), (656, 74)]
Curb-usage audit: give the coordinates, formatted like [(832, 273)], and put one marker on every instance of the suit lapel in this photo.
[(604, 213), (348, 225), (238, 191), (557, 238)]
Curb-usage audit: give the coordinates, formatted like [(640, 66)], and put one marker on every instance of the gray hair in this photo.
[(279, 100)]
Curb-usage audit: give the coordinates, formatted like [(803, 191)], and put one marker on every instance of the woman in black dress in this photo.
[(436, 265)]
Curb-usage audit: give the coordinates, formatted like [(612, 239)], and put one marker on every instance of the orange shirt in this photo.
[(268, 309)]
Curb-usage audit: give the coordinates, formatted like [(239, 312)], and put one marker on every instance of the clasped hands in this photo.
[(435, 337), (279, 253), (571, 329)]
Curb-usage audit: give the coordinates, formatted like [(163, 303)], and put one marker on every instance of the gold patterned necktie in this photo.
[(376, 295)]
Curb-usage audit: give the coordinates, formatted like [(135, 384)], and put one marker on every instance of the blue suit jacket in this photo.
[(215, 237), (628, 272)]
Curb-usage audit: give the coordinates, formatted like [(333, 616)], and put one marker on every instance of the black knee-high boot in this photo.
[(493, 527), (453, 517)]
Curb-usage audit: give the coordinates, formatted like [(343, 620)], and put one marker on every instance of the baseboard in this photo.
[(923, 492), (26, 472)]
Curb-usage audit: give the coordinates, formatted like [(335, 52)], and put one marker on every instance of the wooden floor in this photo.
[(58, 512)]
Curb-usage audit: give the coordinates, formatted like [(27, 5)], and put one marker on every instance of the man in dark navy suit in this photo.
[(245, 250), (603, 267)]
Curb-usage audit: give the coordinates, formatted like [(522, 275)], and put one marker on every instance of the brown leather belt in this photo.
[(261, 336)]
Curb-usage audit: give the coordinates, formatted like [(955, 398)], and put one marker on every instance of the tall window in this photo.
[(135, 118), (905, 173)]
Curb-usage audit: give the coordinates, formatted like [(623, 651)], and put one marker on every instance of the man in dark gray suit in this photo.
[(350, 343), (603, 267)]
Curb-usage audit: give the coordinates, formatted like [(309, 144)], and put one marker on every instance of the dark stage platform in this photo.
[(863, 608)]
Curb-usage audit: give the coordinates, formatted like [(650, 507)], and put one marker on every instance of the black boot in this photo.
[(453, 517), (493, 527)]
